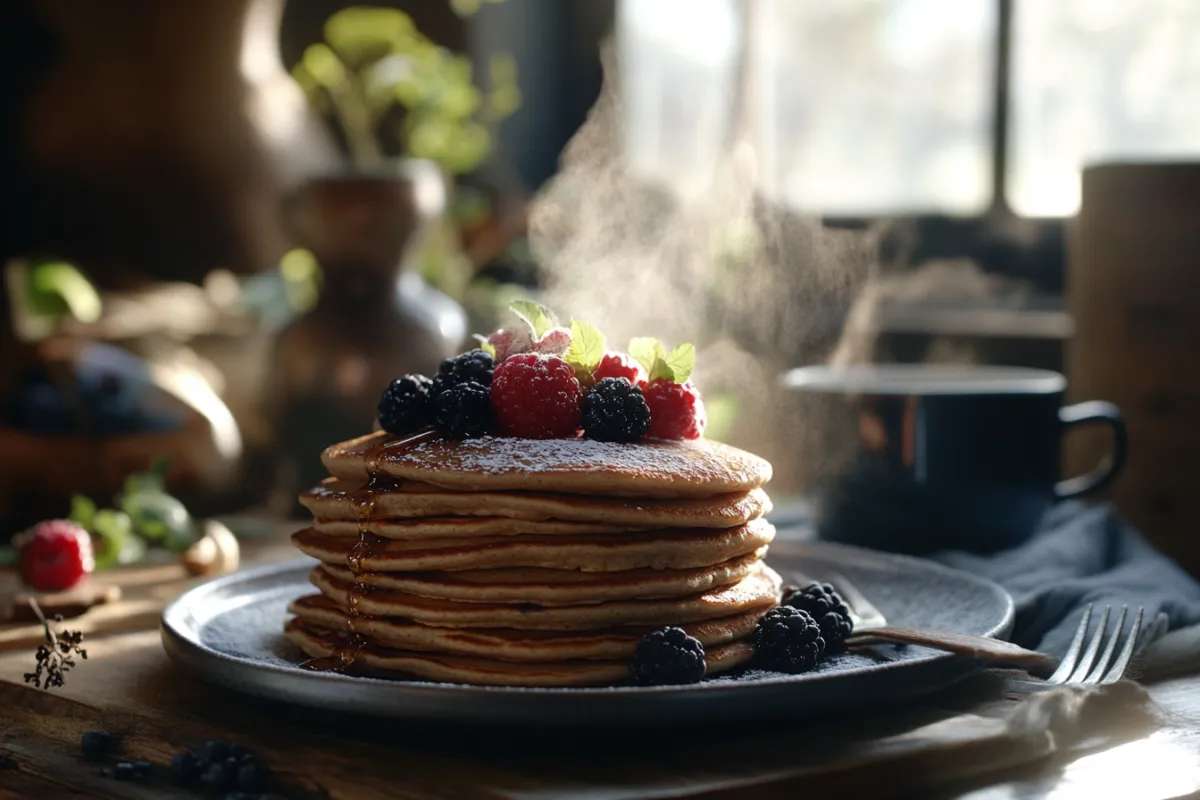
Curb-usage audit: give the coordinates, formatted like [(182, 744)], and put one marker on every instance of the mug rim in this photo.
[(924, 379)]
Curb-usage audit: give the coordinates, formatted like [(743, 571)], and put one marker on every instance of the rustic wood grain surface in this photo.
[(953, 744)]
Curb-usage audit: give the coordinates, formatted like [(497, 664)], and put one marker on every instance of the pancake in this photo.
[(665, 549), (550, 587), (338, 500), (511, 645), (698, 468), (757, 591), (374, 659), (461, 527)]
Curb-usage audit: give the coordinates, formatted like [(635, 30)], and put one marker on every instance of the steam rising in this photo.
[(755, 286)]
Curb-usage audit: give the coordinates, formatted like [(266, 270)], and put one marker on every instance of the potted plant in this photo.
[(411, 118)]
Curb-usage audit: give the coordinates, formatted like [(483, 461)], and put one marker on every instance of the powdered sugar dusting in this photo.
[(689, 467)]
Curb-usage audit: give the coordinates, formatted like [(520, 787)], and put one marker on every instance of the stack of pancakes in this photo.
[(531, 562)]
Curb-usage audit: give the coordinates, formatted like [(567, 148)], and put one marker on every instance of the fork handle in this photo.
[(993, 651)]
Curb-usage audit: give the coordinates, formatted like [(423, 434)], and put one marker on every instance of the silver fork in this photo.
[(1081, 667)]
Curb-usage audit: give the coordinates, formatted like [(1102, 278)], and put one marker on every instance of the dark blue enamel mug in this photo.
[(926, 457)]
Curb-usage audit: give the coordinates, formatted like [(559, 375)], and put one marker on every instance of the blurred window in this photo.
[(1098, 79), (866, 107)]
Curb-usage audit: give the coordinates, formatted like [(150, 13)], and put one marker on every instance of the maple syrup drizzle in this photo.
[(353, 643)]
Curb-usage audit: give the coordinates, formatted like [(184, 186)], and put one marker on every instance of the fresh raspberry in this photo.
[(536, 397), (511, 341), (554, 342), (619, 365), (57, 556), (676, 410)]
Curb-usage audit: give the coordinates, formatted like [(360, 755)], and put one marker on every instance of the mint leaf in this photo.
[(682, 361), (645, 351), (488, 348), (540, 318), (586, 348), (662, 369)]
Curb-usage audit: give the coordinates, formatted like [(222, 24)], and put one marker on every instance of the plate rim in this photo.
[(187, 651)]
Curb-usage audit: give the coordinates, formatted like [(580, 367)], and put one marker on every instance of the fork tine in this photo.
[(1089, 655), (1117, 670), (1069, 661), (1101, 665)]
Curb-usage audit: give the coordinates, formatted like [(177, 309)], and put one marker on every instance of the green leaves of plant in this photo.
[(362, 35), (675, 366)]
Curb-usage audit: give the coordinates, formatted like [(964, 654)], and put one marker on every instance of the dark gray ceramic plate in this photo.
[(229, 631)]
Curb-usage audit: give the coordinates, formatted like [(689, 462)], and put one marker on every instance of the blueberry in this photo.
[(124, 771), (185, 767), (97, 744), (142, 768), (240, 752)]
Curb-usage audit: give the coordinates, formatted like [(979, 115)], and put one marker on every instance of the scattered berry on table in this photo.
[(667, 656), (57, 556), (250, 777), (619, 365), (406, 405), (125, 771), (97, 744), (474, 365), (788, 639), (464, 411), (614, 410), (142, 768), (220, 776), (537, 397), (676, 410), (185, 767), (827, 607), (213, 751)]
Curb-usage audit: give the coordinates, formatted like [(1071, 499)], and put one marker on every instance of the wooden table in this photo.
[(128, 687)]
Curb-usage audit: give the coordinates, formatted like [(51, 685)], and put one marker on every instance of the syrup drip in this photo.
[(354, 642)]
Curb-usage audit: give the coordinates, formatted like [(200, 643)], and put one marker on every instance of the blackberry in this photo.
[(473, 365), (125, 771), (185, 767), (220, 776), (614, 410), (667, 656), (250, 776), (827, 607), (406, 405), (97, 744), (464, 411), (213, 751), (788, 639)]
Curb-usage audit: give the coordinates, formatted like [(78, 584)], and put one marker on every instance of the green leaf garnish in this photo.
[(488, 348), (662, 370), (681, 360), (645, 351), (540, 318), (586, 348)]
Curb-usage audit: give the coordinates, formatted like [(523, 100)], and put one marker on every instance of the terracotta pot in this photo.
[(376, 318)]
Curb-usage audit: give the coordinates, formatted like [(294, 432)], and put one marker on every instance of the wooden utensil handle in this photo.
[(993, 651)]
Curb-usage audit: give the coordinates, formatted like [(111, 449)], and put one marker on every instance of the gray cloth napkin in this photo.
[(1083, 554)]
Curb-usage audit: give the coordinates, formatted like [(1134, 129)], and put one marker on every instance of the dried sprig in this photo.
[(57, 655)]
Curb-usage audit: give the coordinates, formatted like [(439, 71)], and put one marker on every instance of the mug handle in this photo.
[(1101, 476)]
